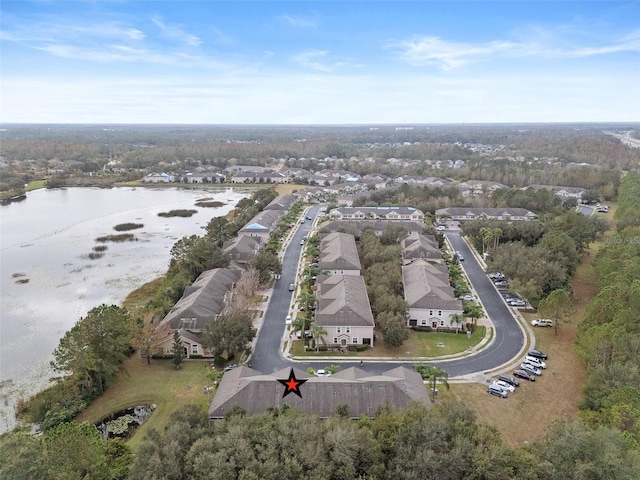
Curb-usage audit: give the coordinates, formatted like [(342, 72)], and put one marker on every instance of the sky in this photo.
[(319, 62)]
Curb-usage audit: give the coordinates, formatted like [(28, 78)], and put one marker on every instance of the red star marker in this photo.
[(292, 384)]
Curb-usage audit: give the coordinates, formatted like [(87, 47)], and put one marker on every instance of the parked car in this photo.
[(535, 362), (508, 379), (322, 373), (460, 257), (524, 374), (440, 227), (231, 366), (542, 322), (497, 391), (527, 367), (308, 217), (537, 354), (501, 283), (497, 276), (288, 320), (516, 302), (468, 298), (504, 385), (302, 242), (292, 287)]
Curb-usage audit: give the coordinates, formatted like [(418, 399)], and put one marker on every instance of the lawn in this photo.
[(35, 184), (419, 344), (158, 383)]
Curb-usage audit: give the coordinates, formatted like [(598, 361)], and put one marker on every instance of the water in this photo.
[(47, 283)]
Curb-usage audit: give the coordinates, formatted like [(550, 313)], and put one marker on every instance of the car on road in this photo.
[(497, 391), (322, 373), (517, 302), (292, 287), (508, 379), (302, 242), (288, 320), (440, 228), (524, 374), (536, 362), (542, 322), (308, 217), (460, 256), (527, 367), (504, 385), (537, 354)]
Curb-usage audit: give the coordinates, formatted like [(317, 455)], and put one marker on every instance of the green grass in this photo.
[(419, 344), (35, 184), (158, 383)]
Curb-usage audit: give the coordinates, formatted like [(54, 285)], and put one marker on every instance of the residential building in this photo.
[(377, 213), (242, 247), (158, 178), (430, 297), (211, 177), (282, 202), (343, 310), (418, 245), (355, 227), (464, 213), (562, 192), (363, 393), (339, 255), (259, 177), (262, 224)]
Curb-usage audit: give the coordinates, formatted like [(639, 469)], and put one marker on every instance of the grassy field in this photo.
[(419, 344), (35, 184), (159, 383)]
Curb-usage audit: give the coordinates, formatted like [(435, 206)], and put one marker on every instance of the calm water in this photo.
[(46, 239)]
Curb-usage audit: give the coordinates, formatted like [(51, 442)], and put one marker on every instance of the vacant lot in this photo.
[(526, 414)]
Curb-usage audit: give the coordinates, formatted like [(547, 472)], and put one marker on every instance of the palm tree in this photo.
[(457, 318), (496, 234), (433, 375), (318, 332), (474, 312)]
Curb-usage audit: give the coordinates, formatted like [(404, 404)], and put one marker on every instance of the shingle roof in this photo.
[(343, 300), (427, 286), (363, 393), (338, 252), (263, 221), (489, 212), (356, 226), (417, 245), (242, 248), (203, 300), (281, 202)]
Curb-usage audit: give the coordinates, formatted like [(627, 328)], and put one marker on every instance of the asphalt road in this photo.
[(508, 336)]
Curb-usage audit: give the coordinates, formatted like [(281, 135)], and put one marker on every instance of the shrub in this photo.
[(127, 226), (361, 348)]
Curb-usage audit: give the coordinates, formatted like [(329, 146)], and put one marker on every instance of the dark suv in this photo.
[(509, 380)]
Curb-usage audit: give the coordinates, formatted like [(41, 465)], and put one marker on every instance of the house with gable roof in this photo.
[(344, 311), (377, 213), (262, 225), (417, 245), (363, 393), (464, 213), (339, 255), (203, 301), (430, 297)]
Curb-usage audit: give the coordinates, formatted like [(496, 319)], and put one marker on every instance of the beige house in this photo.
[(464, 213), (203, 301), (344, 310), (355, 227), (339, 255), (377, 213), (430, 297)]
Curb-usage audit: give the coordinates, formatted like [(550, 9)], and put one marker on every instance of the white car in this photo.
[(322, 373), (440, 227), (288, 321), (504, 385), (542, 322), (536, 362)]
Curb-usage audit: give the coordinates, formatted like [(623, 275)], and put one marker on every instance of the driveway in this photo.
[(508, 336)]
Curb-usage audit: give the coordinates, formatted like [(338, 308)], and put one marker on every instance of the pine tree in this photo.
[(178, 349)]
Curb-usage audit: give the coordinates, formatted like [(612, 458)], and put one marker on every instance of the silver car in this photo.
[(527, 367)]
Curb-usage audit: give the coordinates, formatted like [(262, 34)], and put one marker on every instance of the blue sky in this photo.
[(310, 62)]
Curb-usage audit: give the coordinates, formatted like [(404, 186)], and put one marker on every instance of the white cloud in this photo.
[(447, 55), (311, 59), (177, 33), (299, 21)]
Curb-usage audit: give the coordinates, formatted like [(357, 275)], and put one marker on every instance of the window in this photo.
[(348, 329), (430, 312), (194, 348), (335, 340), (354, 340), (338, 329), (439, 313), (423, 322), (442, 323)]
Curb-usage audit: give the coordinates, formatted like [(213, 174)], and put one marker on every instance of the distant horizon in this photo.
[(315, 62)]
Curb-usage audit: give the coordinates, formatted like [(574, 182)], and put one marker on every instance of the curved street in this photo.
[(507, 341)]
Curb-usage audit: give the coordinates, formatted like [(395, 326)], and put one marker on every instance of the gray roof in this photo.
[(489, 212), (281, 202), (203, 300), (263, 221), (363, 393), (417, 245), (242, 248), (378, 210), (338, 252), (343, 301), (427, 286)]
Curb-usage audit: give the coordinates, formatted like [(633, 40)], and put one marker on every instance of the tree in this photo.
[(318, 335), (474, 312), (394, 328), (267, 264), (218, 230), (177, 349), (557, 306), (148, 335), (229, 334), (457, 318), (94, 350), (434, 375)]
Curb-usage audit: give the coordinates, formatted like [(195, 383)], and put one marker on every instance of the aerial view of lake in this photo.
[(49, 280)]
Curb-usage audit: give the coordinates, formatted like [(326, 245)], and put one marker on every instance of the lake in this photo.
[(48, 281)]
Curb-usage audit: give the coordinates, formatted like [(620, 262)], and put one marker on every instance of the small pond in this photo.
[(124, 423)]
